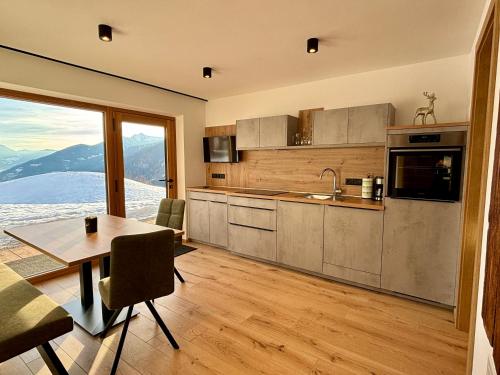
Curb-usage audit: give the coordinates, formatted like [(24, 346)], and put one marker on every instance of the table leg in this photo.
[(104, 270), (93, 317), (86, 293), (104, 263)]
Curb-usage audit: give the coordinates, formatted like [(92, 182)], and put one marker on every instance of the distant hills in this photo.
[(10, 157), (143, 156)]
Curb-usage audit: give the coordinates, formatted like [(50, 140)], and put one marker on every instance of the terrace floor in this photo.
[(17, 253)]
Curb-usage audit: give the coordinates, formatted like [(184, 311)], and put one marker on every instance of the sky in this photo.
[(34, 126)]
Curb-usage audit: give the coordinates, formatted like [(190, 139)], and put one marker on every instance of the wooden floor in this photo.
[(237, 316)]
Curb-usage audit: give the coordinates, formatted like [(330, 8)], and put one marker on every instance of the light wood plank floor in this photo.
[(237, 316)]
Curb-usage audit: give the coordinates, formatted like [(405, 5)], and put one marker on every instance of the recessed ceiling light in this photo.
[(312, 45), (207, 72), (105, 33)]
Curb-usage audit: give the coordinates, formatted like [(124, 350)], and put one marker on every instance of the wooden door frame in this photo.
[(116, 164), (485, 70), (111, 169)]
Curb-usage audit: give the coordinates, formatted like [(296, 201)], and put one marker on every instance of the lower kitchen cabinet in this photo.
[(300, 235), (218, 223), (259, 243), (353, 239), (421, 247), (207, 217), (198, 220)]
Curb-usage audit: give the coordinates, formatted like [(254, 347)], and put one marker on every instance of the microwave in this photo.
[(426, 166)]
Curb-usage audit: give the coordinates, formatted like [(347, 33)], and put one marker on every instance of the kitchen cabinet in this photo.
[(252, 227), (300, 235), (247, 133), (353, 240), (255, 242), (198, 220), (421, 244), (218, 223), (207, 218), (330, 127), (367, 124), (277, 131)]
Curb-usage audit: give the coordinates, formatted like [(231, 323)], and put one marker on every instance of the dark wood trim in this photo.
[(491, 296), (483, 95), (45, 99)]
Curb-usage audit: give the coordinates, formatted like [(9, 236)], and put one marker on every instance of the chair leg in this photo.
[(162, 325), (122, 341), (179, 276), (51, 359), (110, 323)]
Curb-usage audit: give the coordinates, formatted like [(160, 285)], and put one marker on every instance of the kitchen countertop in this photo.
[(347, 201)]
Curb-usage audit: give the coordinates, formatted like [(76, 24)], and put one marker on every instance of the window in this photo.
[(52, 166)]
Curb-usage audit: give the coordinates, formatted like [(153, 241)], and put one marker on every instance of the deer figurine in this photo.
[(426, 111)]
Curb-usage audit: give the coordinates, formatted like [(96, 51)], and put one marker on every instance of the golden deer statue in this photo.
[(426, 111)]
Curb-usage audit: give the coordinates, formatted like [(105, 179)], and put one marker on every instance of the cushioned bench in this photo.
[(29, 319)]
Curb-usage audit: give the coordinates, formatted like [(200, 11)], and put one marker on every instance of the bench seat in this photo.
[(28, 318)]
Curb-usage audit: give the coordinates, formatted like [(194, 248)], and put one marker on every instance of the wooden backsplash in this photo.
[(295, 169)]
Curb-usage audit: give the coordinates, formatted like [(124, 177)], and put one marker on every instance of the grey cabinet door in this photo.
[(218, 223), (247, 133), (273, 131), (198, 219), (330, 127), (353, 238), (367, 123), (420, 248), (300, 235), (254, 242)]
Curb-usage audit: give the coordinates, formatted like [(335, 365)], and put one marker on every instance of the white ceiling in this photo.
[(251, 44)]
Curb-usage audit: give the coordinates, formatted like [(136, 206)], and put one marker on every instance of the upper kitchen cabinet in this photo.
[(367, 123), (330, 127), (277, 131), (247, 133)]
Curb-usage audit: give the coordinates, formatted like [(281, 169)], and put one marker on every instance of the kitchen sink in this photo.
[(323, 197)]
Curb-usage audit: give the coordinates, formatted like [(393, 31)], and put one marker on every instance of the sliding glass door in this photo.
[(145, 163)]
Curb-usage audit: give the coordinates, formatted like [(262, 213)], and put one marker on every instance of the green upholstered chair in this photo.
[(171, 214), (141, 269), (29, 319)]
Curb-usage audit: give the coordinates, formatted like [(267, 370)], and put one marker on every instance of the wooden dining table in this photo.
[(67, 242)]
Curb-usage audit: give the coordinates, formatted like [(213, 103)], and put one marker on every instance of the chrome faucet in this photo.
[(336, 191)]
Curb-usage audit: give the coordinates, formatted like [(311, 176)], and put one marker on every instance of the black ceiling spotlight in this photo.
[(312, 45), (207, 72), (105, 33)]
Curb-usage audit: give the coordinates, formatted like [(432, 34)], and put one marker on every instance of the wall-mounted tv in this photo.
[(220, 149)]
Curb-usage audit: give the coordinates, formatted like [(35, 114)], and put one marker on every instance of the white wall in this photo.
[(31, 74), (402, 86), (482, 348)]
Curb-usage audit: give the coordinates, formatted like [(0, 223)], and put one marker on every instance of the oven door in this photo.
[(431, 173)]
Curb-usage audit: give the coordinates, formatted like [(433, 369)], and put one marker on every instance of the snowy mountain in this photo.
[(143, 155), (10, 157)]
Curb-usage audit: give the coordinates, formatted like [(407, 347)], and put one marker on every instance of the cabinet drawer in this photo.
[(252, 217), (258, 243), (213, 197), (269, 204)]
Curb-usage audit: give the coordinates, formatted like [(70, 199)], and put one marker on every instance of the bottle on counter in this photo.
[(367, 187)]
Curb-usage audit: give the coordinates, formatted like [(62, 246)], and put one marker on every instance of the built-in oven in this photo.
[(426, 166)]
